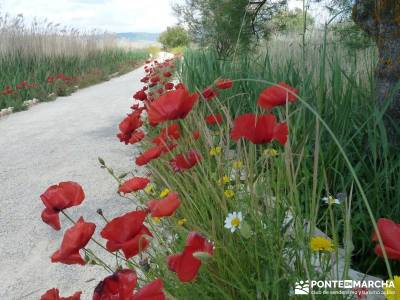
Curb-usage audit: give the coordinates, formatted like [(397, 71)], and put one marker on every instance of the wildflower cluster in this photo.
[(23, 85), (158, 120), (61, 77), (128, 236)]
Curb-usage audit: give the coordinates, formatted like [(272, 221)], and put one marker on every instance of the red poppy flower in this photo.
[(209, 93), (172, 105), (214, 119), (180, 86), (151, 291), (50, 79), (136, 137), (167, 74), (164, 207), (172, 132), (185, 264), (145, 79), (129, 125), (59, 197), (277, 95), (196, 135), (134, 184), (259, 129), (224, 84), (183, 162), (140, 95), (154, 153), (128, 233), (131, 122), (54, 294), (7, 92), (149, 155), (390, 234), (61, 76), (155, 79), (75, 238), (169, 86), (121, 284)]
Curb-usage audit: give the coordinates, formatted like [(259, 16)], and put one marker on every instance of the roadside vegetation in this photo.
[(44, 60), (269, 163)]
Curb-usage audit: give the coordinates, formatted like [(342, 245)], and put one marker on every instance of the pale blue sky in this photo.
[(110, 15)]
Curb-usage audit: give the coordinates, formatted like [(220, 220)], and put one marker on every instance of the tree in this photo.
[(225, 25), (174, 37), (340, 9), (380, 19), (289, 21)]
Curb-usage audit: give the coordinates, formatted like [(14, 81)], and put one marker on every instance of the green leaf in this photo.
[(123, 175)]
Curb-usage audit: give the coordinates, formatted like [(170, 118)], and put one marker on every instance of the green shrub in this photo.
[(174, 37)]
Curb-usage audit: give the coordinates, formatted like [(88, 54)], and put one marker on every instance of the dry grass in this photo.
[(43, 38), (31, 53)]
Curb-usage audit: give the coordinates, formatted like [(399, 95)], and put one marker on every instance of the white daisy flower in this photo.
[(331, 200), (234, 221)]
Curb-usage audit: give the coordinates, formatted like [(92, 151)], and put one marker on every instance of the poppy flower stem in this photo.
[(100, 212), (99, 260), (111, 172), (159, 238), (99, 244)]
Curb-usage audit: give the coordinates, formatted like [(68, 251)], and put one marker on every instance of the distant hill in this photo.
[(139, 36)]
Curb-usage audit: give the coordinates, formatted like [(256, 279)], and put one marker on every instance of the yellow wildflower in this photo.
[(164, 193), (319, 243), (392, 291), (215, 151), (229, 194), (149, 188), (156, 220), (271, 152), (182, 222), (237, 164), (224, 180)]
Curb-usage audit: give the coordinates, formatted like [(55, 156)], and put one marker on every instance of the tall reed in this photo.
[(33, 53)]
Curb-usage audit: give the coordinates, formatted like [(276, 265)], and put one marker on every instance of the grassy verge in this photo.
[(338, 84), (24, 77), (337, 147)]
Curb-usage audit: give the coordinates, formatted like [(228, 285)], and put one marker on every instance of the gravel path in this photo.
[(53, 142)]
